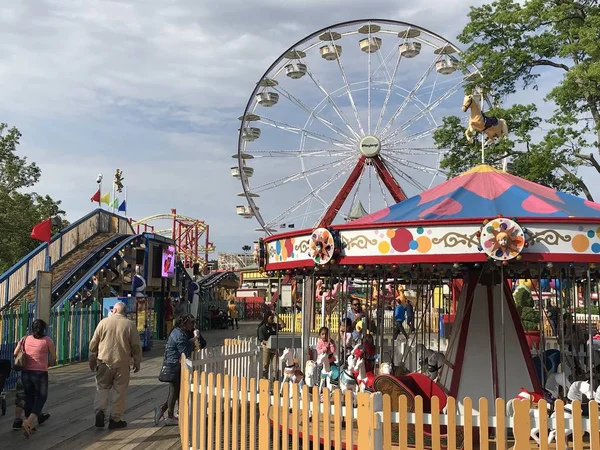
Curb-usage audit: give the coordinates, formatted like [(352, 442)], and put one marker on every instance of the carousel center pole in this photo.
[(308, 299)]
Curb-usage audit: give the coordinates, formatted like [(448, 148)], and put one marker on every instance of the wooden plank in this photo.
[(500, 424), (387, 422), (337, 418), (263, 423), (219, 411), (435, 423), (211, 412), (594, 425), (468, 418), (451, 413), (403, 422), (295, 425), (483, 431), (419, 436), (316, 419), (252, 412), (326, 418), (285, 415), (305, 418), (227, 412), (276, 414), (365, 421), (235, 416), (348, 403)]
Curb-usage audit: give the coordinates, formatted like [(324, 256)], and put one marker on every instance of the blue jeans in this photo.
[(35, 385)]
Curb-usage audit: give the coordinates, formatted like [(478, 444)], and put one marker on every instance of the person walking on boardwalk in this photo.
[(399, 317), (40, 352), (232, 309), (410, 316), (266, 329), (182, 339), (115, 342)]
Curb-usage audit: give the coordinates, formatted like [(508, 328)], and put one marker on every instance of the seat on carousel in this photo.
[(410, 386)]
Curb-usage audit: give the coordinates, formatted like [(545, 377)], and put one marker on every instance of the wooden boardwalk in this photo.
[(70, 403)]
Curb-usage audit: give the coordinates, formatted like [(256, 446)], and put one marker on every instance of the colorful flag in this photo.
[(42, 231), (105, 198), (114, 203), (123, 206), (96, 197)]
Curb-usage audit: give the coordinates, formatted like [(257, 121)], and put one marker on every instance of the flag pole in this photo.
[(125, 212)]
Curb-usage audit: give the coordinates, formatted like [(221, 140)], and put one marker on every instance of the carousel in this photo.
[(474, 236), (485, 228)]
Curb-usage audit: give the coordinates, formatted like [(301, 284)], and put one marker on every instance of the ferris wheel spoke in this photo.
[(406, 177), (408, 98), (413, 165), (314, 193), (411, 150), (410, 138), (297, 130), (311, 112), (369, 76), (298, 153), (426, 110), (348, 90), (383, 193), (301, 174), (332, 102), (388, 93)]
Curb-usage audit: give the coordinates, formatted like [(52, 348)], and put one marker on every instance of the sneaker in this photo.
[(158, 414), (116, 424), (43, 417), (18, 424), (171, 422), (100, 419)]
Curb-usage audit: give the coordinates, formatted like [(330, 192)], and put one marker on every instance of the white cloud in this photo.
[(155, 87)]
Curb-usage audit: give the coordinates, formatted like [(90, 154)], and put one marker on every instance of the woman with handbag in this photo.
[(182, 339), (33, 355)]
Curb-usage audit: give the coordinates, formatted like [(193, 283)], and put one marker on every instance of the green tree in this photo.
[(20, 211), (514, 44)]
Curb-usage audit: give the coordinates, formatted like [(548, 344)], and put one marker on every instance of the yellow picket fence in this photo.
[(333, 323), (229, 412)]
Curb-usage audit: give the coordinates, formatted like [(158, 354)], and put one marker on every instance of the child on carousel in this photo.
[(326, 345)]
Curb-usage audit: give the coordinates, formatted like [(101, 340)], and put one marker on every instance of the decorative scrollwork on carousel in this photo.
[(550, 237), (361, 241), (302, 247), (453, 239)]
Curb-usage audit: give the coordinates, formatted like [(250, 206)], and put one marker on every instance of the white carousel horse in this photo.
[(347, 380), (491, 126), (361, 377), (310, 373), (555, 382), (289, 366), (323, 360), (385, 368), (579, 390)]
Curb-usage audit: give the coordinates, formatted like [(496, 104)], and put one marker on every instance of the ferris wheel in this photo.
[(342, 123)]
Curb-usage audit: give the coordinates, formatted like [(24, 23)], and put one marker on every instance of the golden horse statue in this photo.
[(491, 126)]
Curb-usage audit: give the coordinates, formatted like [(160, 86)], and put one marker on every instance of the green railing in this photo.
[(71, 328)]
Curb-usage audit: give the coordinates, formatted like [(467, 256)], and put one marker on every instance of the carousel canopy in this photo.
[(485, 192)]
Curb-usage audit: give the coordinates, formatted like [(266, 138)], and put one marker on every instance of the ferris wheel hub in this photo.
[(369, 146)]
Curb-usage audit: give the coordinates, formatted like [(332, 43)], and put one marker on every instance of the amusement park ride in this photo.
[(187, 233), (477, 231)]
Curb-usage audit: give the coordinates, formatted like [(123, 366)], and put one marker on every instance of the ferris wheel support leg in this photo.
[(341, 196), (390, 183)]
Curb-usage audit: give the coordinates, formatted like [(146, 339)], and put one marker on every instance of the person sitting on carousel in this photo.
[(369, 352), (326, 345), (346, 338)]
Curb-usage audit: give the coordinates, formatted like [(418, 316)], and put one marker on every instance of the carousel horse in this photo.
[(289, 366), (479, 122), (326, 371), (386, 369), (310, 373), (360, 374), (555, 382), (348, 381), (579, 391)]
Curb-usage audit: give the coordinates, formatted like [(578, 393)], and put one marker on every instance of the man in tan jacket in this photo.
[(115, 343)]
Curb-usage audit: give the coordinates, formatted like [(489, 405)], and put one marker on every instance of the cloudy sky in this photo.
[(155, 87)]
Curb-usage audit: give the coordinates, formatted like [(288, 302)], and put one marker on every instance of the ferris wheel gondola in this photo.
[(345, 117)]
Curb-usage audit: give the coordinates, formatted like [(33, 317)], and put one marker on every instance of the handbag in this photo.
[(169, 373), (19, 363)]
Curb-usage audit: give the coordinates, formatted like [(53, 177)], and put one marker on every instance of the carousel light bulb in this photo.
[(456, 266), (549, 265), (361, 267), (592, 266)]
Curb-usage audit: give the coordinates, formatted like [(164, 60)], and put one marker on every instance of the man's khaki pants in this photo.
[(108, 378)]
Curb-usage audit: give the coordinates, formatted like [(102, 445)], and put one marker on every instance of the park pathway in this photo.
[(70, 400)]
